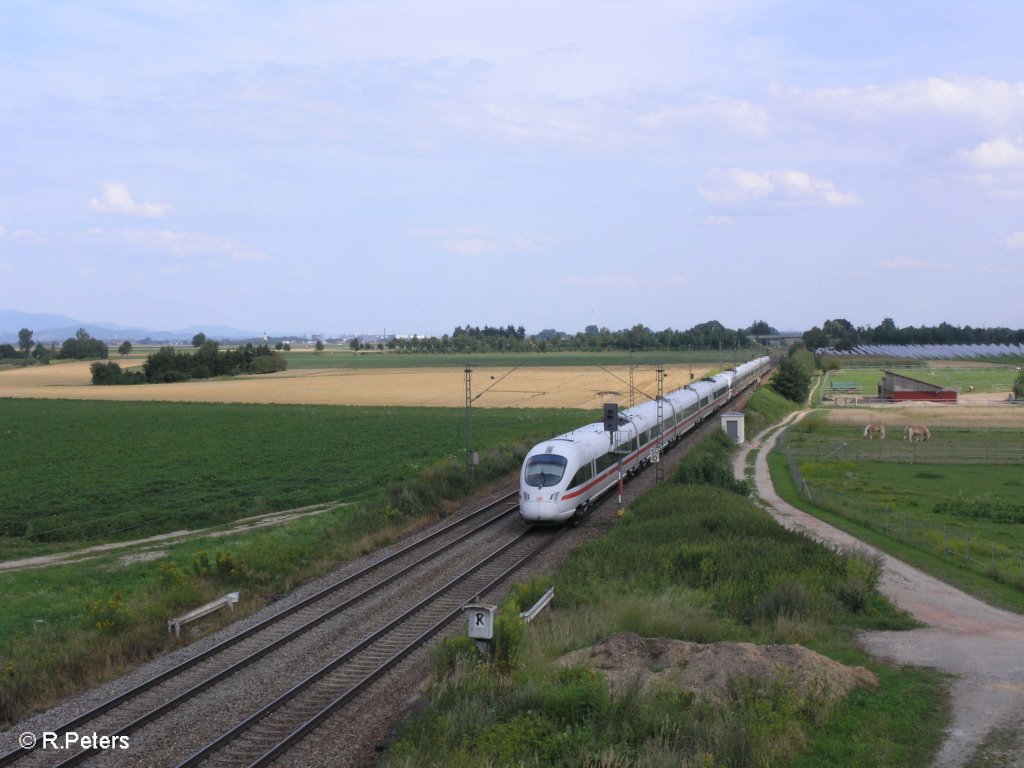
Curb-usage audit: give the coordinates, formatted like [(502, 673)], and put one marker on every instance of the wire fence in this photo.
[(970, 549), (1004, 451)]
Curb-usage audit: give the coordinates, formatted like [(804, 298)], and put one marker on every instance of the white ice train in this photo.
[(563, 476)]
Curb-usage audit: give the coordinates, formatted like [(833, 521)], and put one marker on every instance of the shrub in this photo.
[(708, 463)]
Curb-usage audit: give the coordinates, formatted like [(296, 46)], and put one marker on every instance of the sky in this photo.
[(387, 166)]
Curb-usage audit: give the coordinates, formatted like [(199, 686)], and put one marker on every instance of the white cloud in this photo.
[(741, 188), (610, 282), (992, 103), (718, 221), (743, 118), (469, 246), (116, 199), (184, 245), (908, 263), (1013, 242), (473, 242), (996, 155)]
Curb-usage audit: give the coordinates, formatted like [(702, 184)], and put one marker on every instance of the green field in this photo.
[(83, 471), (960, 498)]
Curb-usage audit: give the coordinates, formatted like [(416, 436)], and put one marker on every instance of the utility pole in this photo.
[(659, 469), (469, 427)]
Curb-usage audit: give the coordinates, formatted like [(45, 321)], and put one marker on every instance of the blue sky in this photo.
[(318, 166)]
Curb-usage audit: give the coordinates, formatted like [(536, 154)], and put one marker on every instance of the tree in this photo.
[(1018, 386), (83, 346), (816, 338), (198, 340), (25, 340), (356, 344), (319, 346), (761, 328), (793, 379), (125, 348)]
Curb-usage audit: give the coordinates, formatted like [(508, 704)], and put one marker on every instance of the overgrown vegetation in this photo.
[(765, 408), (694, 562), (208, 361)]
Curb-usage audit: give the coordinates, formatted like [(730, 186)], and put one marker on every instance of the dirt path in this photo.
[(242, 525), (982, 646)]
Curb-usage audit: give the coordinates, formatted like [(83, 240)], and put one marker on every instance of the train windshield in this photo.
[(544, 471)]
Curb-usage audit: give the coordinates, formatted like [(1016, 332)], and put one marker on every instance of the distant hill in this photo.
[(46, 328)]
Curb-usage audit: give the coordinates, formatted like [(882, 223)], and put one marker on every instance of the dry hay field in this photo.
[(552, 387)]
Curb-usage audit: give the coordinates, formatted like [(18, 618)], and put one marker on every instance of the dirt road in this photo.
[(982, 646)]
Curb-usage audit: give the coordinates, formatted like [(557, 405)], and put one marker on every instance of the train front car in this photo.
[(561, 477)]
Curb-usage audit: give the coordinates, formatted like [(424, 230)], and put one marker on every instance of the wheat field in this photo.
[(542, 387)]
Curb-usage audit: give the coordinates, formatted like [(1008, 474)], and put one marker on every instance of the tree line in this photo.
[(81, 346), (709, 335), (208, 361), (842, 335)]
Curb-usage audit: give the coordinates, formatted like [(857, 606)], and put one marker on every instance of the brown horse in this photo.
[(874, 429), (918, 433)]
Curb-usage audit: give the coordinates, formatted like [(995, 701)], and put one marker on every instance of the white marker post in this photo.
[(480, 624)]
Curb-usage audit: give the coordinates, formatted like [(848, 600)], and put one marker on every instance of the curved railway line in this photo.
[(414, 618)]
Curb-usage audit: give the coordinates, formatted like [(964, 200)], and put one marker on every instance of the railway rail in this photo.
[(129, 711), (271, 731)]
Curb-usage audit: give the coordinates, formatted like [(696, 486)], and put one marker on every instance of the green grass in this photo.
[(765, 408), (693, 563), (69, 626), (951, 570), (970, 514), (82, 471)]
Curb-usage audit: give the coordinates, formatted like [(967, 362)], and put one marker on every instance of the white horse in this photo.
[(917, 433), (874, 429)]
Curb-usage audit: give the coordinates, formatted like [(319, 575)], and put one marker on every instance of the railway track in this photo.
[(276, 727), (145, 703)]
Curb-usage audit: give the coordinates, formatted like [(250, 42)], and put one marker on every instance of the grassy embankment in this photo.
[(697, 562), (80, 473), (960, 522)]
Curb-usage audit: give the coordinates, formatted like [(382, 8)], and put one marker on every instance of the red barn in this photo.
[(899, 388)]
